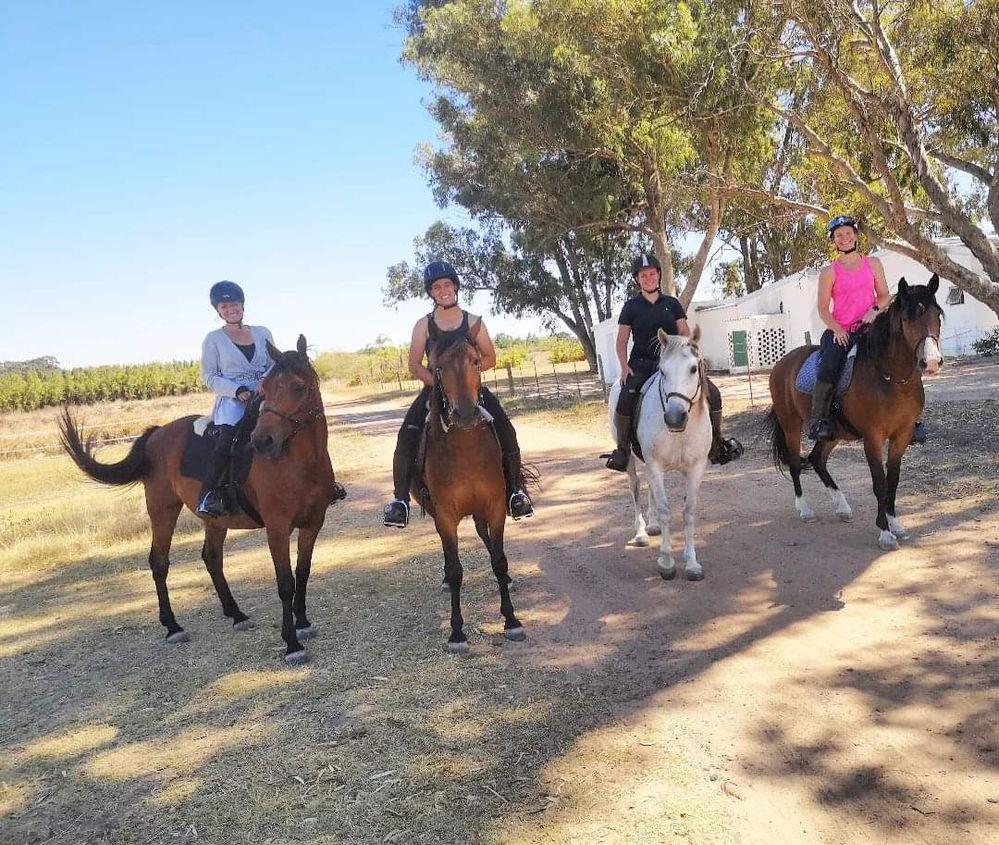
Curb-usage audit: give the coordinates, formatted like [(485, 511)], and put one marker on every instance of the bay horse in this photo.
[(674, 433), (463, 472), (290, 484), (882, 403)]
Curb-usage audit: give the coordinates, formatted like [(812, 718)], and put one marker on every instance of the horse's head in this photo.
[(290, 399), (915, 307), (681, 374), (457, 381)]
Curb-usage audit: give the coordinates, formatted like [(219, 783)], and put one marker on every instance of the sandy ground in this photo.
[(818, 688)]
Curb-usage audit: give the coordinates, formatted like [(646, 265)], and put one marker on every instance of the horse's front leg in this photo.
[(447, 528), (873, 450), (306, 543), (512, 629), (641, 537), (692, 569), (656, 478), (279, 540), (896, 449)]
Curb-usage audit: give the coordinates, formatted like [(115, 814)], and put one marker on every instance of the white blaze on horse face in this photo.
[(680, 379), (930, 356)]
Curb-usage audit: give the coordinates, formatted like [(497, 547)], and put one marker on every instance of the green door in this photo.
[(740, 349)]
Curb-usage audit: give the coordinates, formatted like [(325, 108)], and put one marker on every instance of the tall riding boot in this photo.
[(396, 512), (722, 449), (618, 459), (820, 427), (519, 504), (211, 499)]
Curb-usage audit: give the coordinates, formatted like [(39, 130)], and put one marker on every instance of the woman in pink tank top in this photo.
[(852, 290)]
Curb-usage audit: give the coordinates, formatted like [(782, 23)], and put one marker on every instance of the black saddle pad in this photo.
[(198, 451)]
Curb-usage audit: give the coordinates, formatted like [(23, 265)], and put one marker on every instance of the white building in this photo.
[(757, 329)]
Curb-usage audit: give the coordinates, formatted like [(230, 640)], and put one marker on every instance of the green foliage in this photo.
[(563, 350), (31, 390), (988, 345)]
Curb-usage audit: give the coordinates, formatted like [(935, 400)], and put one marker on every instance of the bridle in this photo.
[(888, 377), (665, 397), (448, 407), (297, 424)]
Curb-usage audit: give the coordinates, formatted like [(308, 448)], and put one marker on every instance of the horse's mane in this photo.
[(874, 342), (448, 346), (296, 363)]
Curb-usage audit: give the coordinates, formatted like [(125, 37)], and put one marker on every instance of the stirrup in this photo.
[(212, 504), (339, 492), (618, 460), (396, 514), (821, 429), (519, 505), (918, 434)]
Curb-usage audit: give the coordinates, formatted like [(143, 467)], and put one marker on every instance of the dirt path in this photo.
[(811, 689)]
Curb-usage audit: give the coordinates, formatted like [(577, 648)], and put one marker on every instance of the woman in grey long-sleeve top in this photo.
[(234, 359)]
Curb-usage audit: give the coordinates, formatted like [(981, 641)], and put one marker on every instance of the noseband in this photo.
[(892, 380), (297, 424)]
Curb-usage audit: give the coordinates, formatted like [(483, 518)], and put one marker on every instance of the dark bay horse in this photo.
[(883, 402), (290, 485), (464, 476)]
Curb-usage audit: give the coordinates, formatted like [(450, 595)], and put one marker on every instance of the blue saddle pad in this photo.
[(808, 374)]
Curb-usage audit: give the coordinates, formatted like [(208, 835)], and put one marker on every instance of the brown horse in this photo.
[(882, 403), (290, 485), (464, 476)]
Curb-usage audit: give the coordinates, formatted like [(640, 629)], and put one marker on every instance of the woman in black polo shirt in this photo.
[(641, 318)]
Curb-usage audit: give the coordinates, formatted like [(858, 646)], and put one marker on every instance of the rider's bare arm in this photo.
[(683, 328), (880, 284), (484, 343), (417, 349), (621, 348)]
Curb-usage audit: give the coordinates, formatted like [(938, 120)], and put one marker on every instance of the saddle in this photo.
[(809, 373), (198, 452)]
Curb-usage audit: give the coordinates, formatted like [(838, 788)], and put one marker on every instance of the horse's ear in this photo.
[(302, 345), (934, 284), (273, 351), (663, 337), (903, 286)]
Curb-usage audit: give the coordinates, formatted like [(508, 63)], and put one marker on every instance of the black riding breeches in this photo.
[(833, 357)]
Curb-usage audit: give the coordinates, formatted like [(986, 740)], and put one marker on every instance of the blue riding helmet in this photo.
[(841, 220), (226, 291), (439, 270)]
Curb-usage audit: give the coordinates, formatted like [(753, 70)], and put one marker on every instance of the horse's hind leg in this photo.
[(792, 440), (482, 529), (818, 458), (512, 629), (448, 530), (163, 520), (306, 543), (641, 537), (212, 554)]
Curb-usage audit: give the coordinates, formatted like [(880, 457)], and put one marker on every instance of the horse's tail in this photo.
[(778, 444), (530, 477), (129, 470)]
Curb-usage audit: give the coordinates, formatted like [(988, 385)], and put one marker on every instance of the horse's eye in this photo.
[(298, 389), (693, 369)]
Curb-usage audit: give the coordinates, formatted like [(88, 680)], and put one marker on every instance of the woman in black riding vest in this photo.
[(440, 280), (641, 318)]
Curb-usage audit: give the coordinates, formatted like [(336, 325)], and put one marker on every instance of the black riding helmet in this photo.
[(643, 260), (225, 291), (841, 220), (439, 270)]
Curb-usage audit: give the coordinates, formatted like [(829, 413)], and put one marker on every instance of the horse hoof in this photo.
[(888, 542), (846, 516), (305, 633), (654, 530), (244, 625), (666, 571), (639, 540), (178, 637), (459, 649), (297, 658), (445, 588), (808, 516), (694, 574), (515, 635)]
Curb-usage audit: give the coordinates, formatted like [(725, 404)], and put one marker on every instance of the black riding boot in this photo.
[(919, 433), (820, 428), (396, 512), (212, 500), (723, 450), (618, 459), (519, 504)]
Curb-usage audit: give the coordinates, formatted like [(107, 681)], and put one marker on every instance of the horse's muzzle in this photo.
[(266, 444), (676, 421), (467, 420)]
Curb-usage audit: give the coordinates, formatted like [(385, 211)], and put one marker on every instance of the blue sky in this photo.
[(150, 150)]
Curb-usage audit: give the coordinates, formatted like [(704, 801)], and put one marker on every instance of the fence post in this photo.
[(575, 375), (509, 378), (558, 387), (537, 381), (398, 375)]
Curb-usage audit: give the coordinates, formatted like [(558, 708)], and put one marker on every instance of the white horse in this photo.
[(674, 433)]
